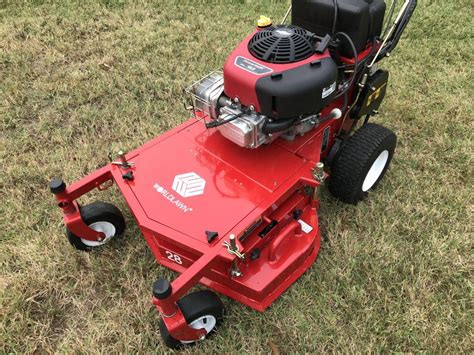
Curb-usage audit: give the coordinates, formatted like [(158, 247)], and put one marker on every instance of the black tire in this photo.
[(194, 306), (371, 146), (95, 213)]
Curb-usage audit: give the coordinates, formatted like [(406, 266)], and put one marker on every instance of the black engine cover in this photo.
[(299, 91), (282, 44)]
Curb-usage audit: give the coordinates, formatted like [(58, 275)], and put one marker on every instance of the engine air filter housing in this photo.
[(281, 44)]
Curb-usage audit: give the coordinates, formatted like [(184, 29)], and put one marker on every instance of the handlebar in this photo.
[(396, 31)]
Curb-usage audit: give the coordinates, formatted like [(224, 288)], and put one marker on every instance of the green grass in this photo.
[(80, 81)]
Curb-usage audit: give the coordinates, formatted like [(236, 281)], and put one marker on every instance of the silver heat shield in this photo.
[(245, 131)]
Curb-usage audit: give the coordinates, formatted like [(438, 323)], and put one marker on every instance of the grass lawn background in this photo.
[(78, 81)]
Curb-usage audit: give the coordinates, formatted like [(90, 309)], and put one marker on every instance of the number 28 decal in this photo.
[(173, 257)]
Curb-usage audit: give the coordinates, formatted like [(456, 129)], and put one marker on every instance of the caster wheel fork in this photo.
[(200, 309)]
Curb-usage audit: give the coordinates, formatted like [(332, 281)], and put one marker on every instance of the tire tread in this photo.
[(193, 306), (356, 157)]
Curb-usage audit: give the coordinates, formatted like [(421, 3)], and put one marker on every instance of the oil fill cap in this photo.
[(264, 21)]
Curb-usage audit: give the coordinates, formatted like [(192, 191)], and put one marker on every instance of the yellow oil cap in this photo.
[(264, 21)]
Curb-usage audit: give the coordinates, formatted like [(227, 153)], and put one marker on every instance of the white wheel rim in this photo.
[(207, 322), (375, 171), (105, 227)]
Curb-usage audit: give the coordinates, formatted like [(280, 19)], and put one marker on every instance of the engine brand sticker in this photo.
[(251, 66), (305, 227), (329, 90)]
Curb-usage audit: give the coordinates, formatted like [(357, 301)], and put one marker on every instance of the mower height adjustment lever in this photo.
[(233, 248), (124, 163)]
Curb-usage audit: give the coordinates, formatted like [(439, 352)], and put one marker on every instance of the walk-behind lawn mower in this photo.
[(229, 199)]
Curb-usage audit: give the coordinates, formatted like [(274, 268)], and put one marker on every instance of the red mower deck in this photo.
[(233, 195), (224, 190)]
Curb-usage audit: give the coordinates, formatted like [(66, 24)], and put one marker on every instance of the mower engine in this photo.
[(275, 83)]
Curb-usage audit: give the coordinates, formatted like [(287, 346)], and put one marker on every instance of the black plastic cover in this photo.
[(362, 20), (161, 289), (57, 186), (211, 236), (281, 44), (295, 92), (372, 95)]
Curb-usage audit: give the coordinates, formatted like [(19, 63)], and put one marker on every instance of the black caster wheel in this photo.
[(201, 309), (101, 217)]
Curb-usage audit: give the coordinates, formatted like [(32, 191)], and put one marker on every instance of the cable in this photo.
[(335, 18), (389, 19), (217, 123), (286, 15), (349, 83), (364, 62), (366, 59)]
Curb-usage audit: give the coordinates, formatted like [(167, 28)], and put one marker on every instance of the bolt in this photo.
[(233, 243), (123, 160), (236, 273), (318, 172)]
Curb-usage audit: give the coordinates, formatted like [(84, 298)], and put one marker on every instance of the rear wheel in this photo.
[(101, 217), (362, 163), (201, 309)]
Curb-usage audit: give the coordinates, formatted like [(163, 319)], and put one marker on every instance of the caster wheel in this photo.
[(101, 217), (362, 163), (201, 309)]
